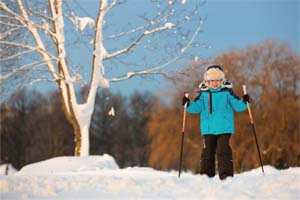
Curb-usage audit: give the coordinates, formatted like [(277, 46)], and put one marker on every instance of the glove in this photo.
[(246, 98), (186, 99)]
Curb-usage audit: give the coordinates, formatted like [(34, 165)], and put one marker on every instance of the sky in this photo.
[(228, 24), (235, 24)]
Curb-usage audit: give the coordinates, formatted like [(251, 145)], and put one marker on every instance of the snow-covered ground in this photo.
[(99, 177), (7, 168)]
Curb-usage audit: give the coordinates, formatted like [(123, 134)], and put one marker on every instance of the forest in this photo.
[(146, 129)]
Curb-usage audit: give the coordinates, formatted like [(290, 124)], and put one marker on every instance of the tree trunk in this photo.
[(77, 139), (81, 131), (69, 113), (84, 140)]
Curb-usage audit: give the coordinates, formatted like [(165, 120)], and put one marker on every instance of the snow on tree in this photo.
[(124, 38)]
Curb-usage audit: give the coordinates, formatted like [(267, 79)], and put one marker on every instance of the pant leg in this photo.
[(208, 155), (224, 156)]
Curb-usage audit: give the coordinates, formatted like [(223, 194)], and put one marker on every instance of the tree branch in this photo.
[(3, 35), (36, 13), (198, 30), (134, 43), (21, 68), (16, 55), (21, 19), (31, 48), (145, 32), (112, 4), (138, 73), (155, 70), (151, 23)]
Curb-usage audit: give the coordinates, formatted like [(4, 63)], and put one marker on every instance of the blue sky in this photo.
[(229, 24), (235, 24)]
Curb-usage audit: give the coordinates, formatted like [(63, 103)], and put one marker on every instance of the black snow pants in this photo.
[(221, 145)]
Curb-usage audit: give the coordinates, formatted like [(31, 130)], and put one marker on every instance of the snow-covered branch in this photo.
[(156, 20), (31, 48), (99, 50), (17, 17), (7, 33), (165, 27), (98, 79), (140, 28), (156, 70), (17, 26), (21, 68), (24, 19), (38, 14), (149, 71), (127, 49), (112, 4), (198, 30), (134, 43), (125, 33), (16, 55), (138, 73)]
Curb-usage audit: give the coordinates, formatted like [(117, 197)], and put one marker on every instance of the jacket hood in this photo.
[(204, 85)]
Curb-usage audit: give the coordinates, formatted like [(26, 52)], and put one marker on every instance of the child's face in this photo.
[(214, 83)]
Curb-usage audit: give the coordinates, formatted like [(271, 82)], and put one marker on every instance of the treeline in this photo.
[(272, 73), (146, 130), (34, 128)]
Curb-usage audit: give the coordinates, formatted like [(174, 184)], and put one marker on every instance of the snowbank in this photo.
[(70, 164), (98, 177), (7, 168)]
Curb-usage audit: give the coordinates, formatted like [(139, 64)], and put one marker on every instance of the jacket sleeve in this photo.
[(236, 102), (195, 106)]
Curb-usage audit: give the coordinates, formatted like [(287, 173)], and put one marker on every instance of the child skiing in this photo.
[(216, 104)]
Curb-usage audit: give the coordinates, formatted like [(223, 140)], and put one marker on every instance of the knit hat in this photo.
[(214, 72)]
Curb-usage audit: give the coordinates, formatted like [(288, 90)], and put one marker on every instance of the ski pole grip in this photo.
[(186, 94), (244, 89)]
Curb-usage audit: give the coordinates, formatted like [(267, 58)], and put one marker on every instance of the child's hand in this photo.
[(246, 98), (186, 99)]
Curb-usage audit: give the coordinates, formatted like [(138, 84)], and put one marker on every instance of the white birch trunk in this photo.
[(85, 142)]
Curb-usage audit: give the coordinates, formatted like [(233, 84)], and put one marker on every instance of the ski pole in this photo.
[(253, 130), (182, 134)]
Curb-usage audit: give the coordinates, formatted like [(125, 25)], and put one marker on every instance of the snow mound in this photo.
[(99, 177), (70, 164), (7, 168)]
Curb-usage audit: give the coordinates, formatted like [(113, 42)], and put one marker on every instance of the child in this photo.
[(216, 104)]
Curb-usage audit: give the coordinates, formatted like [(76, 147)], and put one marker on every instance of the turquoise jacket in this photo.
[(216, 108)]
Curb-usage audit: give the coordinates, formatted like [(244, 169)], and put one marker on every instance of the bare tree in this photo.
[(171, 26)]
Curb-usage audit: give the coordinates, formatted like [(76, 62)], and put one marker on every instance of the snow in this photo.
[(7, 168), (81, 23), (169, 25), (99, 177), (111, 112), (61, 165)]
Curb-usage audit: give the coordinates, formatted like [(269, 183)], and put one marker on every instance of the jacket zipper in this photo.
[(210, 102)]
